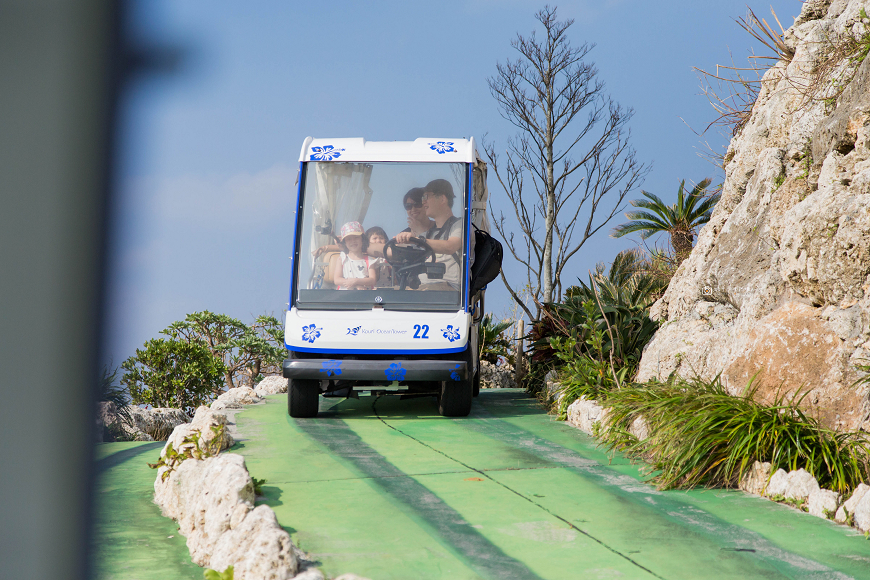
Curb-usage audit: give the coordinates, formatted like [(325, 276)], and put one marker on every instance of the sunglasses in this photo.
[(409, 205)]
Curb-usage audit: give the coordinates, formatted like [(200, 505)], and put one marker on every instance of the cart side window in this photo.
[(346, 210)]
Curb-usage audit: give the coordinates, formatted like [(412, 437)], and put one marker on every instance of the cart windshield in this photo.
[(382, 234)]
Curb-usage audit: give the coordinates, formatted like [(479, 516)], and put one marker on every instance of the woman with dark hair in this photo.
[(418, 223)]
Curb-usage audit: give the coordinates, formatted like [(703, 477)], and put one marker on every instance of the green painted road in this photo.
[(387, 489), (132, 540)]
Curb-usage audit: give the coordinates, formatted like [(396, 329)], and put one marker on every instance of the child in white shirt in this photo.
[(355, 270)]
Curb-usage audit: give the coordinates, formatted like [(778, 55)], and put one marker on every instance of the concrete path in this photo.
[(386, 488)]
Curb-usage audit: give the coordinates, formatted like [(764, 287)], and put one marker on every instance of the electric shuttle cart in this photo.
[(413, 332)]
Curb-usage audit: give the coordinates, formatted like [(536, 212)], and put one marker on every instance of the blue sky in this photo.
[(208, 154)]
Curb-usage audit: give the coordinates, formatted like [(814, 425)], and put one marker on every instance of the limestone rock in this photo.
[(639, 428), (236, 399), (862, 513), (552, 392), (208, 424), (755, 480), (257, 548), (823, 503), (207, 498), (778, 484), (851, 503), (270, 386), (800, 485), (585, 413), (779, 280), (496, 376), (157, 422)]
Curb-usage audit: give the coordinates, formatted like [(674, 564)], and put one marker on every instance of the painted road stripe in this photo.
[(448, 526)]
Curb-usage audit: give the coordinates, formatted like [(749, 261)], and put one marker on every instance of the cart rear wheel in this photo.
[(476, 388), (303, 397), (455, 399)]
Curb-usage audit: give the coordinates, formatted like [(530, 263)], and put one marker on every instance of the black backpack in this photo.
[(487, 260)]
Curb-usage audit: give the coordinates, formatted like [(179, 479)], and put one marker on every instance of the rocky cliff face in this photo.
[(779, 281)]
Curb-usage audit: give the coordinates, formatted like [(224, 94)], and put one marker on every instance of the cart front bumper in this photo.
[(376, 370)]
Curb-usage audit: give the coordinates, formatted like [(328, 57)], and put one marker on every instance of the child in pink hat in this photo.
[(355, 270)]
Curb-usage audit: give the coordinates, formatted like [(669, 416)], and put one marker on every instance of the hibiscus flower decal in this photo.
[(395, 372), (454, 374), (310, 332), (450, 333), (325, 153), (442, 147), (331, 367)]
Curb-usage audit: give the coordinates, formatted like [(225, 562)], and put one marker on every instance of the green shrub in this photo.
[(492, 342), (244, 350), (210, 574), (701, 435), (173, 373)]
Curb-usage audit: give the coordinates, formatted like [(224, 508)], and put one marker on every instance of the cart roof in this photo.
[(358, 149)]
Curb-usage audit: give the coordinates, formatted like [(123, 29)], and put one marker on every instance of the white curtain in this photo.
[(342, 194)]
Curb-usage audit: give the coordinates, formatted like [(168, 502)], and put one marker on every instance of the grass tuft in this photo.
[(702, 436)]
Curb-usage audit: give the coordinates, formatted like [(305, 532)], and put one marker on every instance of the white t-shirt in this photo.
[(453, 272), (351, 268)]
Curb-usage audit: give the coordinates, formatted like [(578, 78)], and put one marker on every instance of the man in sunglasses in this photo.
[(444, 237)]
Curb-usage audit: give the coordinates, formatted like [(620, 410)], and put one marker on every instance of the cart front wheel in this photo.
[(455, 399), (303, 398)]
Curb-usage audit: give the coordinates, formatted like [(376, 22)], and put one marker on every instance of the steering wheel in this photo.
[(407, 262)]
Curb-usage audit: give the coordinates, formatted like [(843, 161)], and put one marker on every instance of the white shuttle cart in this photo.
[(414, 331)]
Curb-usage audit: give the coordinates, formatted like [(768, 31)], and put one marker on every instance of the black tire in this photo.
[(455, 399), (476, 385), (303, 398)]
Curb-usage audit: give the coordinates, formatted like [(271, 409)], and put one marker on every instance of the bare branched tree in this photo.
[(571, 154)]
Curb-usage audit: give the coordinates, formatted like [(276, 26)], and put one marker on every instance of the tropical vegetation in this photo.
[(702, 436), (680, 220), (200, 357)]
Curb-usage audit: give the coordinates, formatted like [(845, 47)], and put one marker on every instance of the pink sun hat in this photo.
[(351, 229)]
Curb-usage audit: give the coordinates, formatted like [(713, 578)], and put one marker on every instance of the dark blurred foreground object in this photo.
[(57, 100)]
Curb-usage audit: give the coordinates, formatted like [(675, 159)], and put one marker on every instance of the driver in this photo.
[(444, 237)]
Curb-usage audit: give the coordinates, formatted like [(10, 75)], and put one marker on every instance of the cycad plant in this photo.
[(679, 220), (492, 343)]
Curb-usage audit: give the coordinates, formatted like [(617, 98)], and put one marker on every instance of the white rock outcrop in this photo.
[(496, 376), (585, 413), (800, 484), (236, 398), (755, 480), (778, 484), (212, 500), (271, 385), (208, 425), (862, 513), (153, 424), (778, 282), (823, 503), (850, 504)]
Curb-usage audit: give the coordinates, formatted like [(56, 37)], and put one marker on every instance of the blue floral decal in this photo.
[(450, 333), (310, 332), (395, 372), (331, 367), (454, 374), (325, 153), (353, 331), (442, 147)]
